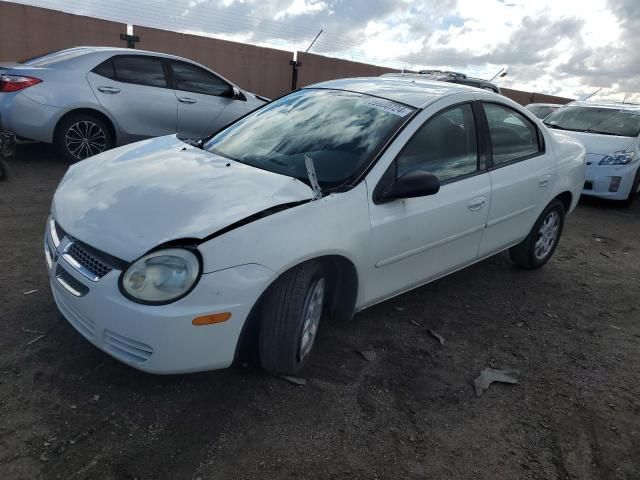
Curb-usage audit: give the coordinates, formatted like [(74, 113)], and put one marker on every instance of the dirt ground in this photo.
[(572, 330)]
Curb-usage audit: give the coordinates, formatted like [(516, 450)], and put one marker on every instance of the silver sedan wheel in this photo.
[(547, 235), (85, 139), (312, 314)]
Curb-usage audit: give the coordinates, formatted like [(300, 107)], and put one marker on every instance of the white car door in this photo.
[(205, 101), (522, 170), (415, 240), (135, 91)]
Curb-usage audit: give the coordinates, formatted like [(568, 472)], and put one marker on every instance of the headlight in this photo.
[(161, 277), (617, 158)]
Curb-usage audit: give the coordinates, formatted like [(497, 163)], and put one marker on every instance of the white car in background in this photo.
[(543, 110), (326, 201), (611, 136)]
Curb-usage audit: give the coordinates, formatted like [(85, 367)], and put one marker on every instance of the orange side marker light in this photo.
[(211, 319)]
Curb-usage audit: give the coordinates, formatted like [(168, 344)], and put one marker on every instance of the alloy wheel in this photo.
[(312, 315), (547, 235), (85, 139)]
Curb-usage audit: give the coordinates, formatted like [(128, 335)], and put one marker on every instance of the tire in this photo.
[(81, 136), (290, 312), (634, 187), (536, 250)]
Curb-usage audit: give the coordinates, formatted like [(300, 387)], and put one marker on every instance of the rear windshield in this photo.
[(607, 121), (341, 132), (49, 59)]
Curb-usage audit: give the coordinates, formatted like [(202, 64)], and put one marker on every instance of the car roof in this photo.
[(129, 51), (545, 104), (83, 51), (613, 105), (412, 91)]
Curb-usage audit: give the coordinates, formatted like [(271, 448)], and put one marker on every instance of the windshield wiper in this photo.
[(588, 130), (557, 127), (313, 179)]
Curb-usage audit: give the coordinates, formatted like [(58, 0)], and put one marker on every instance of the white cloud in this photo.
[(567, 47), (301, 7)]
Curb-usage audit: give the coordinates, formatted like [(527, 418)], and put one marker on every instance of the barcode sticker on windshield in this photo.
[(631, 112), (389, 107)]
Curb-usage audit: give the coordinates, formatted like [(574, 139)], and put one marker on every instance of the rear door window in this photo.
[(513, 136), (139, 70), (105, 69)]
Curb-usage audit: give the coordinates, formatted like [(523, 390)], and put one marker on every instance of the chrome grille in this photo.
[(88, 259), (69, 282), (60, 231), (89, 262)]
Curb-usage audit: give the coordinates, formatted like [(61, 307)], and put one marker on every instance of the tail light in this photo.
[(13, 83)]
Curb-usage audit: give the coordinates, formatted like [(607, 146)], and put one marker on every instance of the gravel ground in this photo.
[(571, 330)]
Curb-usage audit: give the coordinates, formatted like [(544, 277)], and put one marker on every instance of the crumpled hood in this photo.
[(600, 144), (129, 200)]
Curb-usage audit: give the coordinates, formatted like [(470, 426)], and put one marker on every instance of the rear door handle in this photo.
[(544, 181), (109, 90), (477, 203), (186, 100)]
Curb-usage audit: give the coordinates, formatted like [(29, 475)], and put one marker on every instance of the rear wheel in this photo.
[(81, 136), (291, 313), (536, 250)]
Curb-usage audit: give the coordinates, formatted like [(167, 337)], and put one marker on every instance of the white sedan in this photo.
[(170, 257), (610, 133)]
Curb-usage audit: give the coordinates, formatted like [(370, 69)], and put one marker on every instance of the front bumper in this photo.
[(598, 180), (159, 339)]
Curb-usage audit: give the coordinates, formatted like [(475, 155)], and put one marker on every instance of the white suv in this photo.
[(326, 201)]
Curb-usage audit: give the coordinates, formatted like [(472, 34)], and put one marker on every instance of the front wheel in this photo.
[(536, 250), (82, 136), (291, 313)]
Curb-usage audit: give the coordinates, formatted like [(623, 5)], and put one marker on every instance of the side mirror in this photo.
[(417, 183), (237, 94)]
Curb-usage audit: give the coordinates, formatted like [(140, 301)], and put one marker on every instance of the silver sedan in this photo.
[(86, 100)]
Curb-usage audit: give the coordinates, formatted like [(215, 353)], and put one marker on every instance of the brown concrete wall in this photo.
[(317, 68), (261, 70), (525, 98), (27, 31)]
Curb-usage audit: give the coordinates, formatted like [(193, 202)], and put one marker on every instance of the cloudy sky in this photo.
[(563, 47)]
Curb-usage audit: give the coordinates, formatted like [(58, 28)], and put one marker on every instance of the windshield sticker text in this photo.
[(389, 107)]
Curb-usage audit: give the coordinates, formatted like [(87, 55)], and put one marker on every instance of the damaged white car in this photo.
[(169, 257)]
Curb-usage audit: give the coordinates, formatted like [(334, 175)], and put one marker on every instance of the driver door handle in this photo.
[(188, 100), (477, 203)]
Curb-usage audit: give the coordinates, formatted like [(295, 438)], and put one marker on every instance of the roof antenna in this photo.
[(314, 41), (313, 179), (589, 96)]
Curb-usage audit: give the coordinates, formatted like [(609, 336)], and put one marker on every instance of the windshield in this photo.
[(341, 132), (541, 111), (608, 121)]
